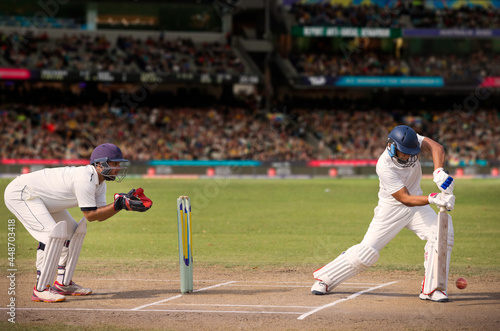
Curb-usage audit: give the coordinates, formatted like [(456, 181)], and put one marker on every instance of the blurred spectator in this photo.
[(398, 14), (451, 67), (222, 133), (469, 137), (128, 54), (143, 134)]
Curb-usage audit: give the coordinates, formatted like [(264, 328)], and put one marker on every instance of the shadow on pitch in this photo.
[(124, 295)]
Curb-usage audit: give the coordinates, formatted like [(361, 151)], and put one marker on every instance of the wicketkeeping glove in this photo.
[(444, 181), (134, 200), (139, 193), (442, 200)]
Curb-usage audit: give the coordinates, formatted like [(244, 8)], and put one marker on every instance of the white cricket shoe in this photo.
[(319, 288), (436, 296), (47, 295), (71, 289)]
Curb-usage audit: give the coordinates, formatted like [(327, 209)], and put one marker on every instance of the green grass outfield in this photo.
[(272, 223)]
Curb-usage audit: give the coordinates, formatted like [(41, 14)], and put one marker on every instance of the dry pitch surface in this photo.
[(242, 298)]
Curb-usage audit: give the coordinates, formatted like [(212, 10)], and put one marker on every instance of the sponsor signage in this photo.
[(14, 74), (389, 81), (345, 32), (369, 81), (451, 33), (354, 32), (119, 77), (45, 162), (491, 82), (341, 163)]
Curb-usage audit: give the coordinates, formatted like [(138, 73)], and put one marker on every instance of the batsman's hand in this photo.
[(133, 201), (443, 200), (444, 181)]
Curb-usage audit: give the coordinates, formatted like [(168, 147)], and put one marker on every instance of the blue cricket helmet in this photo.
[(404, 139)]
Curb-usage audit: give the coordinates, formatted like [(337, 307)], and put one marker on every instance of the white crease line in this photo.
[(163, 310), (223, 311), (210, 287), (361, 285), (255, 306), (295, 286), (304, 284), (301, 317), (155, 303), (142, 280), (180, 295)]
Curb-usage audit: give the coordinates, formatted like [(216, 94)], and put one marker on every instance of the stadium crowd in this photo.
[(221, 133), (400, 14), (451, 67), (469, 137), (129, 55), (31, 131), (126, 54)]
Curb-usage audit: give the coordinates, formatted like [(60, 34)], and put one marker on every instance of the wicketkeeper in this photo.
[(40, 201), (401, 205)]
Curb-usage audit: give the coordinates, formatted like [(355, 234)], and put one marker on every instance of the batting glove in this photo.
[(443, 200), (444, 181), (128, 202)]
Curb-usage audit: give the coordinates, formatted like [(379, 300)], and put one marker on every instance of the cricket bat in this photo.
[(442, 249)]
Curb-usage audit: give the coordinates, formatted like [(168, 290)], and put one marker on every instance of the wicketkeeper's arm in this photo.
[(135, 200), (100, 214)]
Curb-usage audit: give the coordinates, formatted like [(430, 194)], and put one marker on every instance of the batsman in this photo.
[(40, 201), (401, 205)]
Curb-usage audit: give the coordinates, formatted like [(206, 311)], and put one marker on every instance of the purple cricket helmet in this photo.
[(104, 153)]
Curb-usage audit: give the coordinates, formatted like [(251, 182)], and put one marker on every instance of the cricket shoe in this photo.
[(319, 288), (71, 289), (47, 295), (436, 296)]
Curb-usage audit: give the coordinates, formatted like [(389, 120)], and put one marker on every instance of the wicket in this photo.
[(185, 243)]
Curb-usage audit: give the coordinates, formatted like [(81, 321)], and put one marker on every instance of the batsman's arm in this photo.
[(100, 214), (439, 199), (406, 199), (435, 149)]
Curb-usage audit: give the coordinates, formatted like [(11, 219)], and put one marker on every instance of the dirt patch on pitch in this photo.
[(246, 298)]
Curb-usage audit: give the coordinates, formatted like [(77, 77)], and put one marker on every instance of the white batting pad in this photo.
[(51, 255), (430, 262), (353, 261), (75, 247)]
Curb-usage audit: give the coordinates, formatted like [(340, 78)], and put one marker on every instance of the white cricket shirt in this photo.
[(66, 187), (392, 178)]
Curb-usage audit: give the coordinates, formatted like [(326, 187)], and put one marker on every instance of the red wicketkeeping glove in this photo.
[(139, 193)]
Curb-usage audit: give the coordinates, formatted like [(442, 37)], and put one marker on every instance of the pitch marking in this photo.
[(164, 310), (180, 295), (301, 317)]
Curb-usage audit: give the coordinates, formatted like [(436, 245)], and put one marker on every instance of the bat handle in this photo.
[(442, 208)]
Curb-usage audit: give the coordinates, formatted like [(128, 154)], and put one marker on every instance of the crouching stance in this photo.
[(401, 205), (40, 201)]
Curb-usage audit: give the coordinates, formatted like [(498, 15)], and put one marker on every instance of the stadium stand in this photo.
[(125, 54), (449, 66), (47, 119), (395, 15)]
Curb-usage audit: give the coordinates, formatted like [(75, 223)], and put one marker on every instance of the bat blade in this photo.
[(442, 248)]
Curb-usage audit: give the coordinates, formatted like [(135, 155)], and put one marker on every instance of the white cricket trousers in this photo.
[(389, 220), (33, 214)]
